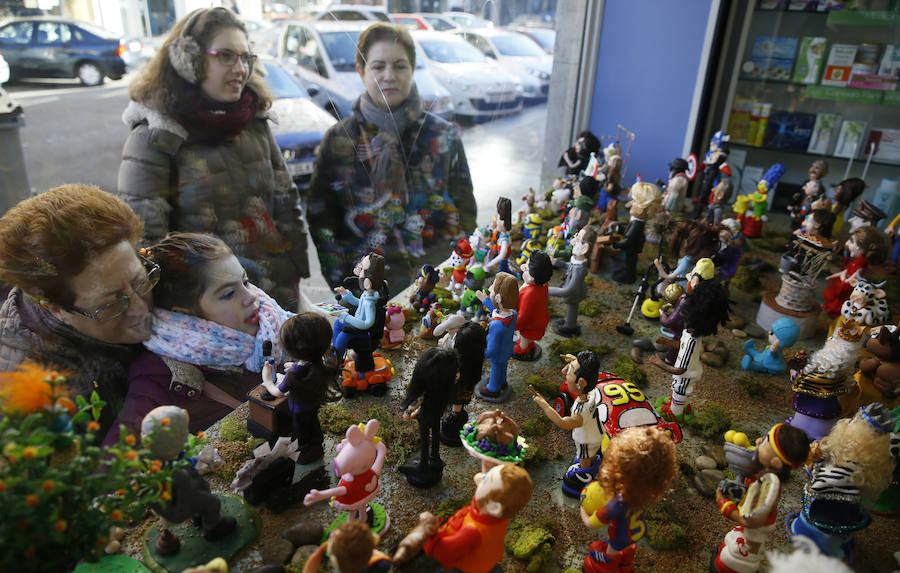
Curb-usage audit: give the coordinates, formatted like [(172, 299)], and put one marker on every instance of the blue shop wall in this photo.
[(650, 56)]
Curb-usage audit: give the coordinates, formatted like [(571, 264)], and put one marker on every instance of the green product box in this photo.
[(810, 58)]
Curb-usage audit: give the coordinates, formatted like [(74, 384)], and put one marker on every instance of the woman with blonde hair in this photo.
[(201, 157)]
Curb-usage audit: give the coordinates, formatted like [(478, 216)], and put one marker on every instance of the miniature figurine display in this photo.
[(429, 393), (581, 378), (574, 290), (610, 188), (867, 245), (350, 549), (692, 241), (471, 541), (676, 187), (533, 313), (638, 467), (784, 448), (580, 214), (813, 189), (878, 376), (752, 218), (645, 201), (469, 344), (358, 463), (783, 333), (719, 198), (864, 214), (713, 169), (845, 193), (498, 259), (493, 438), (891, 232), (394, 319), (459, 260), (308, 381), (424, 296), (704, 309), (576, 158), (501, 301), (854, 464), (730, 252)]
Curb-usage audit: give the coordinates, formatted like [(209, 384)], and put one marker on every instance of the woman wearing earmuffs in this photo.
[(201, 157)]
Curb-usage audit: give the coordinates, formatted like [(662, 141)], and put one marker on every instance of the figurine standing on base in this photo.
[(424, 297), (784, 332), (783, 449), (307, 339), (866, 245), (504, 293), (704, 309), (459, 259), (574, 290), (645, 200), (676, 187), (429, 392), (581, 378), (576, 158), (639, 465), (500, 225), (394, 319), (360, 457), (533, 313), (469, 344), (471, 541)]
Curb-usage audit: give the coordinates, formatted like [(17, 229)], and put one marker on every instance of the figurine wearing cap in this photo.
[(676, 188)]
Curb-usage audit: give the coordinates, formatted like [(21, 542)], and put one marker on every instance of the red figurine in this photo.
[(534, 315)]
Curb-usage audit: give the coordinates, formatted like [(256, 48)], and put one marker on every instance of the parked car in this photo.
[(423, 22), (466, 20), (4, 70), (351, 13), (543, 37), (438, 23), (479, 86), (323, 55), (518, 55), (49, 47), (299, 123)]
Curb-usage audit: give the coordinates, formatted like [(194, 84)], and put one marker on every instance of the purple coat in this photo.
[(151, 383)]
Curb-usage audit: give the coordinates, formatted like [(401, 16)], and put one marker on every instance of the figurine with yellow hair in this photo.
[(645, 201), (637, 469)]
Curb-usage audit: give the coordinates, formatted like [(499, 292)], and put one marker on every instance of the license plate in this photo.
[(301, 168)]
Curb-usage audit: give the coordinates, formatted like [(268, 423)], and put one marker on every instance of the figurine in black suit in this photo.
[(645, 201)]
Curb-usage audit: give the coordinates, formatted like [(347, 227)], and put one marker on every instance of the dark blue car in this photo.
[(47, 47)]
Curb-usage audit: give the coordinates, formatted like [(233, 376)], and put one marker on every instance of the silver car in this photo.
[(323, 55), (518, 54)]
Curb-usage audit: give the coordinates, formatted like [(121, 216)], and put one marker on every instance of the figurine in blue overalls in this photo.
[(501, 300)]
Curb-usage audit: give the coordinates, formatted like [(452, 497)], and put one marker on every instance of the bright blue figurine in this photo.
[(501, 300), (784, 333)]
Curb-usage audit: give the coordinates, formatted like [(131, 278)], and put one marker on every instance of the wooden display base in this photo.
[(770, 311), (268, 419)]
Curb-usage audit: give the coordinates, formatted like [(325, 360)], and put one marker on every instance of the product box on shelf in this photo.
[(839, 64), (873, 82), (789, 130), (849, 142), (739, 122), (823, 133), (890, 61), (810, 58), (887, 144), (759, 119), (770, 59)]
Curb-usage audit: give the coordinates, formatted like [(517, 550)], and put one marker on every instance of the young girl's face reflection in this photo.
[(227, 298), (387, 75)]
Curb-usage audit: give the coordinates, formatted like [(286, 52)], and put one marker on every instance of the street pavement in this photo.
[(74, 134)]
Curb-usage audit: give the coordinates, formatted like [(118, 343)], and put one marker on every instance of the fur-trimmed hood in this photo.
[(137, 113)]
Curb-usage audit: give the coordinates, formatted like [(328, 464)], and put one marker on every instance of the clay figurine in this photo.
[(358, 463), (867, 245), (878, 376), (730, 252), (576, 158), (813, 189), (638, 467), (428, 395), (676, 187), (713, 169), (845, 193), (424, 297), (692, 241), (471, 541), (718, 199), (351, 549), (469, 343), (459, 261), (500, 225), (394, 319), (581, 378), (501, 301), (645, 201), (574, 290), (308, 382), (783, 333), (533, 313), (784, 448), (865, 214)]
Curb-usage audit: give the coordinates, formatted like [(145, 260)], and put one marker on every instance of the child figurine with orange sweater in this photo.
[(637, 469)]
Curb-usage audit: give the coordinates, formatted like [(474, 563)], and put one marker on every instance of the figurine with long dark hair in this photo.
[(692, 240), (309, 382), (576, 158), (427, 396), (469, 343)]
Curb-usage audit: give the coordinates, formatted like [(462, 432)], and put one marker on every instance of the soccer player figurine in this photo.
[(784, 448), (639, 466), (533, 313), (501, 300), (581, 378), (574, 290)]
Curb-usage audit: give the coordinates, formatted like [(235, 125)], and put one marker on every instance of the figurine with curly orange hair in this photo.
[(637, 469)]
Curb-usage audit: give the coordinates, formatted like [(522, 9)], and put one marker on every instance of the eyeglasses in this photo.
[(228, 58), (140, 288)]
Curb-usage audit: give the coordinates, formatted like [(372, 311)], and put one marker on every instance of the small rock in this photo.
[(636, 355), (269, 569), (276, 551), (302, 554), (642, 343), (735, 322), (738, 333), (722, 351), (705, 463), (712, 359), (305, 532), (717, 453), (753, 330), (707, 481)]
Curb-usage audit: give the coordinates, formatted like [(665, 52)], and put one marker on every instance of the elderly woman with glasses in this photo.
[(201, 157), (80, 296)]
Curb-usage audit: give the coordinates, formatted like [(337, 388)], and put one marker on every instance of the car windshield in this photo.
[(545, 37), (438, 23), (637, 417), (97, 31), (341, 49), (451, 52), (281, 84), (517, 45)]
